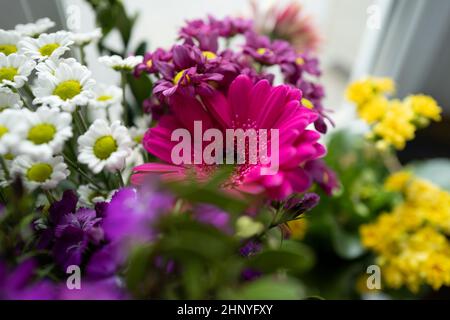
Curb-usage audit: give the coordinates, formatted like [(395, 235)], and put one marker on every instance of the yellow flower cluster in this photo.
[(393, 122), (411, 242)]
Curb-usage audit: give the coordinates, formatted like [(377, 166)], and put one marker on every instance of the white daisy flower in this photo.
[(8, 42), (10, 127), (137, 132), (88, 195), (45, 132), (40, 171), (104, 146), (84, 38), (15, 69), (119, 64), (106, 103), (50, 65), (68, 87), (9, 99), (51, 45), (35, 29)]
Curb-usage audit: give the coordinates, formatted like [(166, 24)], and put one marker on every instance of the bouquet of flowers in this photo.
[(105, 194)]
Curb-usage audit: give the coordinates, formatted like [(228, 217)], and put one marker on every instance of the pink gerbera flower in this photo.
[(247, 105)]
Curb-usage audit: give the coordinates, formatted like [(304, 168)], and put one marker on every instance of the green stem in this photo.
[(49, 196), (82, 173), (4, 167), (83, 56), (121, 183), (123, 84), (81, 119)]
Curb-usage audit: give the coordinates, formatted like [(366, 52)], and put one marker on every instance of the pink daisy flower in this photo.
[(247, 105)]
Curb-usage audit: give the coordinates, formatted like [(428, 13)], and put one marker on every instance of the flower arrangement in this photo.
[(90, 183), (203, 173)]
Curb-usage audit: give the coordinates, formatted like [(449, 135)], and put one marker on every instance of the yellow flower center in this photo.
[(39, 172), (209, 55), (9, 156), (7, 49), (7, 73), (3, 130), (300, 61), (149, 63), (104, 98), (138, 138), (48, 49), (42, 133), (261, 51), (66, 90), (104, 147), (307, 103), (179, 75)]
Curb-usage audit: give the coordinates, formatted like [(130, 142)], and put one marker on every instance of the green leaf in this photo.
[(346, 245), (268, 288), (138, 266), (140, 87), (291, 256)]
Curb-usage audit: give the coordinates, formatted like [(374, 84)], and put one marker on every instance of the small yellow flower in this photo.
[(424, 106), (298, 228), (397, 181)]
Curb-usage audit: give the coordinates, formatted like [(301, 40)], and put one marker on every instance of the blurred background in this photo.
[(408, 40)]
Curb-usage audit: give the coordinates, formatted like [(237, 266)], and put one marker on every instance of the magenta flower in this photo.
[(188, 73), (268, 52), (323, 176), (247, 105), (150, 61)]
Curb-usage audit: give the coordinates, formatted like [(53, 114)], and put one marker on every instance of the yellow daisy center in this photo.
[(8, 156), (42, 133), (178, 77), (3, 130), (138, 138), (262, 51), (66, 90), (39, 172), (7, 73), (307, 103), (300, 61), (104, 98), (104, 147), (48, 49), (7, 49), (149, 63), (209, 55)]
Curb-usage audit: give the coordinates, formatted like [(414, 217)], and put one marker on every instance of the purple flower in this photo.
[(323, 175), (297, 206), (250, 248), (250, 274), (266, 52), (209, 214), (154, 107), (131, 215), (189, 72), (150, 61), (19, 284)]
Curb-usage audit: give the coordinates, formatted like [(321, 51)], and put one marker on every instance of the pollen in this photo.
[(7, 49), (104, 147), (67, 90), (42, 133), (179, 76), (209, 55), (48, 49), (39, 172), (7, 73)]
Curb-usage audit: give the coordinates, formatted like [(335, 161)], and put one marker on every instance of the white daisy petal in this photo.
[(35, 29), (104, 146), (118, 63)]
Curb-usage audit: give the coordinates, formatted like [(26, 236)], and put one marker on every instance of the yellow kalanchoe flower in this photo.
[(411, 242), (393, 122)]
